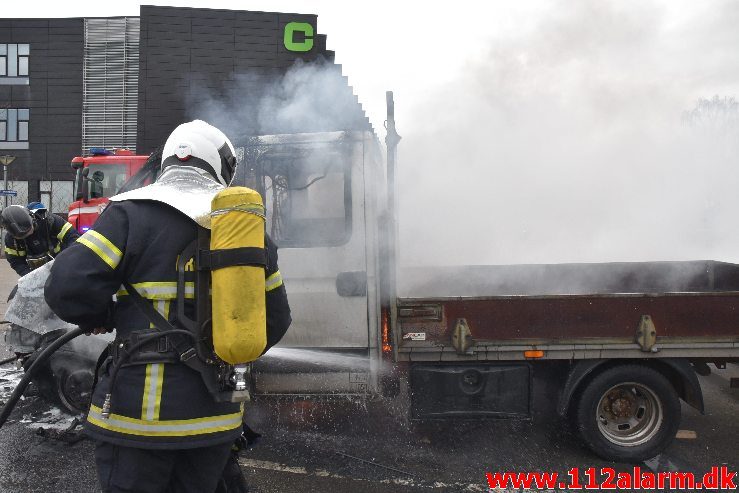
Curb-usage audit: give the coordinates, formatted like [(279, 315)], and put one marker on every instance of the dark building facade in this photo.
[(40, 102), (70, 84)]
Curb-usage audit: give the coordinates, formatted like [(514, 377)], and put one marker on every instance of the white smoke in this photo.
[(308, 97), (567, 142)]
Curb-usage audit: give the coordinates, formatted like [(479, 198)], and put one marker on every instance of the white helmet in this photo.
[(201, 145)]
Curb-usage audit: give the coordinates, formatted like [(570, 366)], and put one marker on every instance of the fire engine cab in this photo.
[(98, 177)]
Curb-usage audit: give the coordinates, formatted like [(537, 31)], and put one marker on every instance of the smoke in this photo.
[(571, 140), (308, 97)]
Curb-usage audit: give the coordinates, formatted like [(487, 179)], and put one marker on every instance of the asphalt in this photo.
[(348, 446)]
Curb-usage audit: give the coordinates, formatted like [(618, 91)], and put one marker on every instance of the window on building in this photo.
[(14, 128), (14, 63), (56, 195), (21, 187)]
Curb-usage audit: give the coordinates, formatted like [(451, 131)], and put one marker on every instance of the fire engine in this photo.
[(98, 177)]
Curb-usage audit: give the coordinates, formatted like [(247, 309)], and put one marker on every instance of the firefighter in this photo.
[(163, 430), (34, 236)]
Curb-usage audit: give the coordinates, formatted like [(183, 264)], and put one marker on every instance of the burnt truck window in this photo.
[(307, 194), (106, 179)]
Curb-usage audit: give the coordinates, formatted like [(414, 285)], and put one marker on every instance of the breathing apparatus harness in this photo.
[(191, 341)]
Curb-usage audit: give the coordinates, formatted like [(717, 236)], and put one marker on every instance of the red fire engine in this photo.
[(99, 176)]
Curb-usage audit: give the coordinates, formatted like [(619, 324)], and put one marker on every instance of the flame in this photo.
[(385, 321)]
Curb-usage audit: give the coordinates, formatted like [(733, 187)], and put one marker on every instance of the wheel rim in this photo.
[(629, 414), (74, 390)]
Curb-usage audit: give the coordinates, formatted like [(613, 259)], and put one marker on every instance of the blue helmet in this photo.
[(36, 206)]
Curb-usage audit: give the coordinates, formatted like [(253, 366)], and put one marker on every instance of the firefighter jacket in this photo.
[(51, 235), (154, 405)]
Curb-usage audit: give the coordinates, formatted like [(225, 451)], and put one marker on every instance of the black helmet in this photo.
[(18, 221)]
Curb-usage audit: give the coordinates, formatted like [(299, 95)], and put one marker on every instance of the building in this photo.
[(67, 85)]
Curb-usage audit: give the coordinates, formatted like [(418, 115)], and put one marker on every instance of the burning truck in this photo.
[(620, 343)]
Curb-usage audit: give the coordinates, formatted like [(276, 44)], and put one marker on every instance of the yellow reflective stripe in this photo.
[(64, 230), (162, 290), (107, 251), (158, 396), (152, 398), (159, 383), (153, 374), (273, 282), (17, 253), (174, 427), (57, 248)]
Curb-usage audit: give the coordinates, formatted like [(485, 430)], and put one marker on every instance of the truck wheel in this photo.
[(628, 413)]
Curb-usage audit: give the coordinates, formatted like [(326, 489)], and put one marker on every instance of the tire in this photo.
[(628, 413), (73, 389)]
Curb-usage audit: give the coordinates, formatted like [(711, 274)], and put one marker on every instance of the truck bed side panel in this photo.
[(575, 317)]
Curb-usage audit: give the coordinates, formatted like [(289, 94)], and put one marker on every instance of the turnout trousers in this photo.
[(128, 469)]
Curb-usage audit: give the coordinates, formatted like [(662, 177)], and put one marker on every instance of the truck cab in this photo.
[(99, 177), (320, 191)]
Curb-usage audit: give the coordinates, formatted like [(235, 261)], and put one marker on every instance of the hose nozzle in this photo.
[(106, 407)]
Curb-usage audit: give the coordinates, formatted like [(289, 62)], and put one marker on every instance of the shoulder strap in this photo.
[(218, 259), (156, 318)]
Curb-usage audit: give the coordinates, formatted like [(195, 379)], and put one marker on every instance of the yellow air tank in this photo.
[(239, 312)]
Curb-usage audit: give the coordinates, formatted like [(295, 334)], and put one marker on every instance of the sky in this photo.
[(538, 131)]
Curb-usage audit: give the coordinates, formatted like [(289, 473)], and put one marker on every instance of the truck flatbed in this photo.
[(570, 311)]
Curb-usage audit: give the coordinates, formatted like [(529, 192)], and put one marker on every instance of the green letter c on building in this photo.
[(301, 27)]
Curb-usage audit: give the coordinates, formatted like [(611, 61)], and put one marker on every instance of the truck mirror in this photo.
[(84, 185)]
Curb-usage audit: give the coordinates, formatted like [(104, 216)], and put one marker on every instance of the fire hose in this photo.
[(38, 362)]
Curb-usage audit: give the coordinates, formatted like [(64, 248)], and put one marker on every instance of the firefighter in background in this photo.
[(34, 236), (165, 431)]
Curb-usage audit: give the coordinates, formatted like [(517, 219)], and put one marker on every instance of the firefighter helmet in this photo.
[(18, 221), (36, 206), (201, 145), (38, 210)]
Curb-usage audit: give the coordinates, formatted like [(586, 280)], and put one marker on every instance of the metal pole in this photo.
[(5, 180), (2, 231), (389, 239), (5, 160)]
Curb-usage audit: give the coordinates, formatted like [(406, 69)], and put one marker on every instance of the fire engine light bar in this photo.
[(100, 151)]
